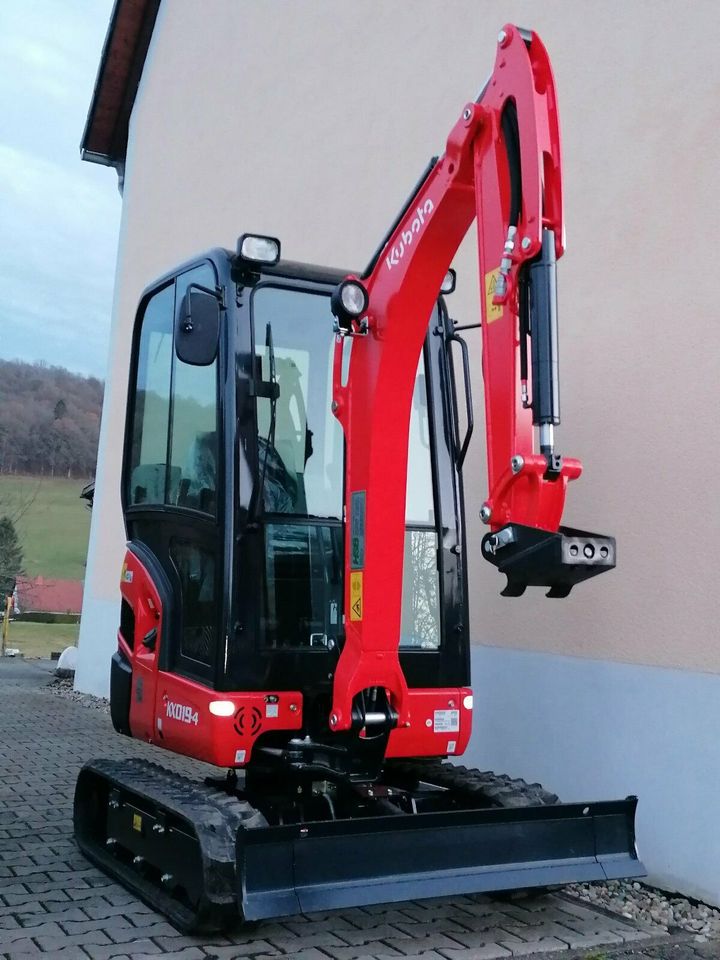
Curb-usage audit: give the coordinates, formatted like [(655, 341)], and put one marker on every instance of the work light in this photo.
[(349, 301), (222, 708), (354, 298), (448, 284), (258, 249)]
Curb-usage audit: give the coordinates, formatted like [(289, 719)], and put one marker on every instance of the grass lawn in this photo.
[(41, 639), (53, 529)]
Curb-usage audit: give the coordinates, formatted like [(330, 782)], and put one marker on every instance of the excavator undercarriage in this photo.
[(206, 856)]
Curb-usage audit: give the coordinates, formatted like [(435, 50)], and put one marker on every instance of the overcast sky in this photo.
[(59, 215)]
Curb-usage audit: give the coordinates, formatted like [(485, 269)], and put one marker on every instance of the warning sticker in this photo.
[(356, 595), (137, 823), (446, 721), (493, 311), (240, 756)]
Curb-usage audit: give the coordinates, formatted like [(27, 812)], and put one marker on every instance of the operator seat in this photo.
[(198, 486)]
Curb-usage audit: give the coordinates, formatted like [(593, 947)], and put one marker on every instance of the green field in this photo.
[(54, 524), (41, 639)]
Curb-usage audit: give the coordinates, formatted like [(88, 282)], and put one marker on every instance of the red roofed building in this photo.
[(44, 595)]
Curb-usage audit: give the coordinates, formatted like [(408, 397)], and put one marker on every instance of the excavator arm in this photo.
[(501, 168)]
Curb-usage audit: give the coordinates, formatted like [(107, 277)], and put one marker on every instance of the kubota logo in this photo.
[(407, 236)]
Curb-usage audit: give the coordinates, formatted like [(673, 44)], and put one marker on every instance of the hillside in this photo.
[(52, 522), (49, 420)]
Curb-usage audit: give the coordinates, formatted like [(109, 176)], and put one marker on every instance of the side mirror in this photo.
[(197, 329)]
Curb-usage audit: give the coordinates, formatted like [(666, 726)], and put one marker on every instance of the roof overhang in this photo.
[(123, 56)]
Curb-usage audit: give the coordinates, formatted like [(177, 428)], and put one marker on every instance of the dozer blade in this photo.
[(342, 863)]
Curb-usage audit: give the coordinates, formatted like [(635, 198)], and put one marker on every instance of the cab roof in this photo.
[(290, 269)]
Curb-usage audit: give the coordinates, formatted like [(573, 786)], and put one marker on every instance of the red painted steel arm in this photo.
[(524, 76), (469, 181)]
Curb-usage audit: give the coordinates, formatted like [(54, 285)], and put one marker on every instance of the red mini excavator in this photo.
[(294, 597)]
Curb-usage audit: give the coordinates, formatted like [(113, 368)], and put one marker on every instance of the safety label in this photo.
[(356, 595), (446, 721), (493, 311), (357, 531)]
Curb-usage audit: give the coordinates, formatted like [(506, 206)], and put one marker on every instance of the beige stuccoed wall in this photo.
[(312, 121)]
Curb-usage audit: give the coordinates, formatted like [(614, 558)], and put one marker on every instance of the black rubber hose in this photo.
[(511, 136)]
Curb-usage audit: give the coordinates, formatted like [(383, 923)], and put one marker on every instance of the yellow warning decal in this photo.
[(137, 823), (356, 595), (493, 311)]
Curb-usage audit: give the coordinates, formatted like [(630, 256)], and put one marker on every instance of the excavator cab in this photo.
[(233, 493)]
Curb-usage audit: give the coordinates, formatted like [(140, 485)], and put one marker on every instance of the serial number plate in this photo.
[(446, 721)]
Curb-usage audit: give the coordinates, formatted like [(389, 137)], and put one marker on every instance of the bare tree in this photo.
[(11, 557), (16, 503), (421, 589)]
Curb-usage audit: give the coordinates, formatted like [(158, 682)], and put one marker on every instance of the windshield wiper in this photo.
[(270, 390)]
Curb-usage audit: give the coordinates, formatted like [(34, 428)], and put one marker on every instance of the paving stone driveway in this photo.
[(52, 901)]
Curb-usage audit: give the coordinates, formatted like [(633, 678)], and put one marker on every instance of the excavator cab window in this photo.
[(300, 469), (299, 440), (300, 478), (148, 457), (172, 482), (175, 424), (420, 624)]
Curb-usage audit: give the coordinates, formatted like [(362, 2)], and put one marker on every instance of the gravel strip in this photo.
[(635, 901), (63, 687)]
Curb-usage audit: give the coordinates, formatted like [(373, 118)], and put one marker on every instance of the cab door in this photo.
[(145, 608), (172, 498)]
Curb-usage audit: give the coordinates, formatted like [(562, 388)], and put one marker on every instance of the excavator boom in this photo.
[(501, 168)]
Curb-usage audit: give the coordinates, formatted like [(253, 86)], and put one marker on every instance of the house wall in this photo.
[(311, 121)]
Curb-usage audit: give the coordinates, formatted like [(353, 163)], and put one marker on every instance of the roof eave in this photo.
[(122, 60)]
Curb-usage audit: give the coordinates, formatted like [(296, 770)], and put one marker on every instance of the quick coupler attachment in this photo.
[(530, 557)]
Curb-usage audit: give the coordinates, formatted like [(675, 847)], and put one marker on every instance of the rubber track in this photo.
[(499, 790), (215, 817)]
